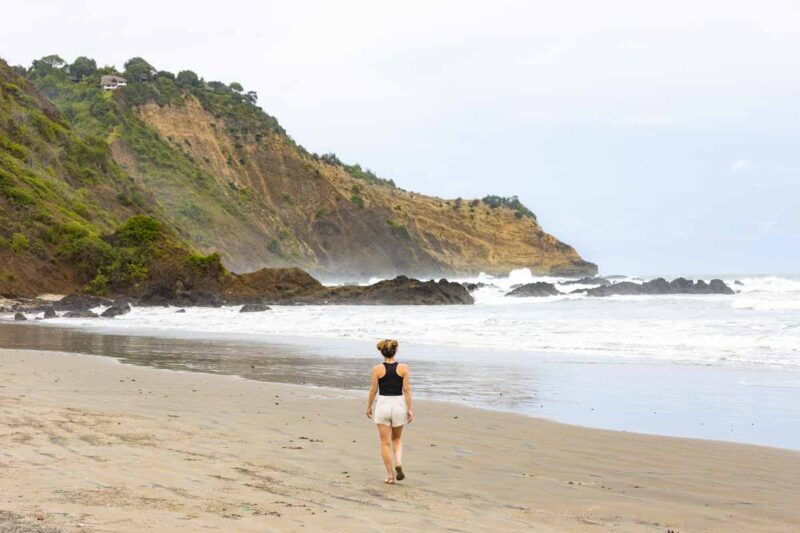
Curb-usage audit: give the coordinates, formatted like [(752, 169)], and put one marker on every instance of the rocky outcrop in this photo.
[(20, 317), (472, 287), (49, 312), (119, 307), (253, 308), (401, 290), (588, 281), (271, 285), (537, 289), (81, 302), (662, 286)]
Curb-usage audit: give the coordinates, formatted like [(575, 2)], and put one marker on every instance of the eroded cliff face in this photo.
[(285, 207)]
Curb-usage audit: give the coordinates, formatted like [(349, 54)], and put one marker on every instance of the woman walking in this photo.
[(392, 410)]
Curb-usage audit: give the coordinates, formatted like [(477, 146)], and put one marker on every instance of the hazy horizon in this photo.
[(654, 139)]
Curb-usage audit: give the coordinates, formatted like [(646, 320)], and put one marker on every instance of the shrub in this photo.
[(512, 202), (139, 230), (19, 243), (15, 149), (88, 252), (99, 285), (17, 196), (321, 212), (207, 265), (356, 199)]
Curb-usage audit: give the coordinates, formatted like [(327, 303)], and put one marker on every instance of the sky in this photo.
[(656, 138)]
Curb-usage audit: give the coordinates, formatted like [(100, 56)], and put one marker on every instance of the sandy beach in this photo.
[(89, 444)]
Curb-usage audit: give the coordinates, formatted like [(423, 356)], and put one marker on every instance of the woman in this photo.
[(393, 407)]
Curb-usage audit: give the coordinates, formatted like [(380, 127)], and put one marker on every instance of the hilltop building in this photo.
[(110, 82)]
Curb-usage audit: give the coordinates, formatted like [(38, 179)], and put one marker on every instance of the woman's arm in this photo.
[(407, 393), (373, 390)]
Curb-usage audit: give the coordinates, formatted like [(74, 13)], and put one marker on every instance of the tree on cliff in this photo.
[(187, 77), (46, 65), (137, 69), (82, 66)]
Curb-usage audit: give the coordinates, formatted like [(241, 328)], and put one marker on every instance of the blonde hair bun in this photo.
[(388, 347)]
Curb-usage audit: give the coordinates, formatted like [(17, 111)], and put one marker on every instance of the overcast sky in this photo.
[(654, 137)]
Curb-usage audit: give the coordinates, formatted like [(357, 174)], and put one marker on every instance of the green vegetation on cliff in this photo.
[(63, 200)]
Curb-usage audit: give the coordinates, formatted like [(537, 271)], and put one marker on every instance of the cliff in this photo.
[(220, 175)]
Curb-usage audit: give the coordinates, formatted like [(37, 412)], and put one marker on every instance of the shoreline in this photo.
[(121, 447), (644, 396)]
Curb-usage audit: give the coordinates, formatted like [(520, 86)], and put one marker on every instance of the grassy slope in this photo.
[(63, 206)]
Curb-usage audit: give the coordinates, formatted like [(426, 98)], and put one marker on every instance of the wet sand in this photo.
[(89, 444), (740, 404)]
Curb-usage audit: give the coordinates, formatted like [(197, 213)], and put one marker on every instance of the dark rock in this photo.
[(472, 287), (49, 312), (401, 290), (80, 314), (253, 308), (682, 286), (538, 289), (271, 285), (200, 299), (165, 295), (737, 282), (578, 268), (80, 302), (717, 286), (158, 295), (588, 281), (181, 311), (19, 317), (622, 288), (662, 286), (119, 307)]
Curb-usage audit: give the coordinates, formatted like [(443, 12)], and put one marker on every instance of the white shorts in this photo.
[(390, 411)]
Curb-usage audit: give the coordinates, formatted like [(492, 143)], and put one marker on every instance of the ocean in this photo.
[(711, 366)]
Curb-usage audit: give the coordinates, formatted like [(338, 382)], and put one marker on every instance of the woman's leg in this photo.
[(397, 444), (386, 453)]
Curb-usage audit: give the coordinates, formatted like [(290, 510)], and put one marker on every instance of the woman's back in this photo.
[(391, 384)]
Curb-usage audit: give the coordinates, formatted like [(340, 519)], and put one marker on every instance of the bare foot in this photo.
[(389, 480)]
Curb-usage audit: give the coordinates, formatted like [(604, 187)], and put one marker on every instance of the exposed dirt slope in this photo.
[(306, 211)]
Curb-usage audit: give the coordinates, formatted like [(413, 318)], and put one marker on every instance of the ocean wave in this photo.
[(758, 326)]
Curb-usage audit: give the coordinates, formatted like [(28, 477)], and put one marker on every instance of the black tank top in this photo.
[(391, 384)]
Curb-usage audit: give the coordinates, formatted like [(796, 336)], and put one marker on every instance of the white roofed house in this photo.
[(110, 82)]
